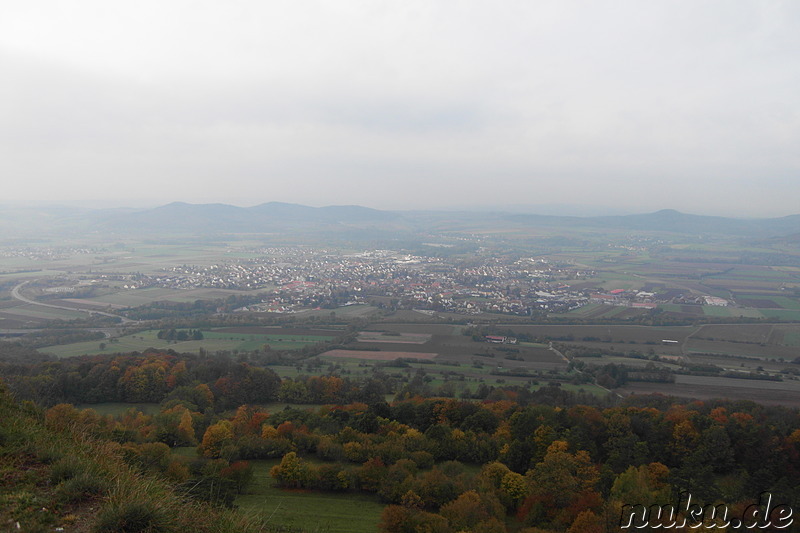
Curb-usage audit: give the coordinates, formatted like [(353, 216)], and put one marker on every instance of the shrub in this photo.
[(82, 487), (66, 468), (133, 517), (49, 454)]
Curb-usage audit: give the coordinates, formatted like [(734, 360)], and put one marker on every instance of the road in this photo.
[(15, 292)]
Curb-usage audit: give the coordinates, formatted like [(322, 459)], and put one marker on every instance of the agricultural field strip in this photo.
[(376, 356), (215, 334), (212, 340), (46, 313), (707, 387), (761, 385), (400, 338)]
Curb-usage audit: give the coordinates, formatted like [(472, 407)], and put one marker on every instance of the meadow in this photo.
[(707, 387), (214, 340), (331, 512)]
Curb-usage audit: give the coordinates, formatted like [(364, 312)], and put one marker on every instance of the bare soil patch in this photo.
[(395, 338)]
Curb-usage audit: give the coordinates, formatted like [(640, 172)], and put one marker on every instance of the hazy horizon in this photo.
[(622, 107), (566, 210)]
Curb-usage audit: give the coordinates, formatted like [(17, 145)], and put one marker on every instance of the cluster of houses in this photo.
[(650, 300), (297, 278)]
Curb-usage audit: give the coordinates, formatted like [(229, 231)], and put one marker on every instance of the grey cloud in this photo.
[(622, 102)]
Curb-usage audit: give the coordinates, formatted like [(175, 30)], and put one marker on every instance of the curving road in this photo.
[(15, 293)]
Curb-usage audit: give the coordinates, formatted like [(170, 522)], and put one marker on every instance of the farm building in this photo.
[(500, 340)]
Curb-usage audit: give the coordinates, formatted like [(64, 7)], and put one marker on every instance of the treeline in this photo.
[(155, 376), (173, 334), (54, 336), (652, 317), (167, 309)]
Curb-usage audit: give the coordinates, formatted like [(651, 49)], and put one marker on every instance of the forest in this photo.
[(515, 460)]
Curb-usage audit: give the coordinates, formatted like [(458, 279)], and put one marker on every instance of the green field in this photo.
[(278, 341), (759, 300), (789, 315), (133, 298), (312, 510), (45, 313), (621, 360), (212, 341), (791, 338), (671, 308), (754, 333), (349, 311), (722, 311)]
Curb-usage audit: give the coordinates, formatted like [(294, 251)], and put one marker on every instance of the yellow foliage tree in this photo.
[(216, 436), (587, 522), (269, 432), (186, 428), (514, 486), (291, 472)]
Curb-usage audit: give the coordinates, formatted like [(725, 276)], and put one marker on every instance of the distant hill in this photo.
[(179, 218), (675, 221), (670, 220)]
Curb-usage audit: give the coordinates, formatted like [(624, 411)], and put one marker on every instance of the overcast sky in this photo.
[(637, 105)]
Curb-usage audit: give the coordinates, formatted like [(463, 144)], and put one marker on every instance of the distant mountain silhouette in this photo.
[(670, 220), (179, 218)]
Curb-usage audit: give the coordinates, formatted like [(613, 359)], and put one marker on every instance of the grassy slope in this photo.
[(66, 479)]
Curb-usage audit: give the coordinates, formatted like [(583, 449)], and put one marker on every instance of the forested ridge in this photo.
[(516, 460)]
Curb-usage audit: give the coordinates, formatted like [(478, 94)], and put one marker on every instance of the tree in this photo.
[(465, 512), (645, 485), (292, 471), (492, 474), (561, 475), (587, 522), (563, 484), (399, 519), (145, 383), (248, 420), (514, 488), (240, 473), (186, 429), (216, 437), (623, 446)]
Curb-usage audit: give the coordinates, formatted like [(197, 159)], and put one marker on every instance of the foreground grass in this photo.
[(60, 477)]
